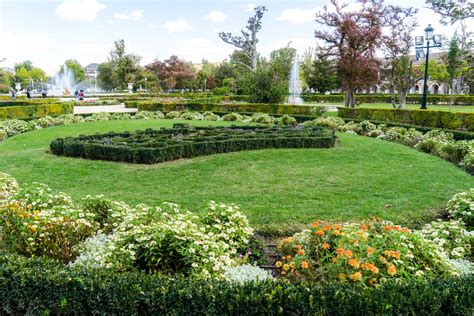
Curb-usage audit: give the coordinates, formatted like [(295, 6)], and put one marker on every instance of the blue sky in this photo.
[(49, 32)]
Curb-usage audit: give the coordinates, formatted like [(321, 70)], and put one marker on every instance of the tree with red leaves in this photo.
[(351, 42), (173, 73)]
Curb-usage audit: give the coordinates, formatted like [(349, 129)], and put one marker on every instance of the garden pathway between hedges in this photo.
[(118, 108)]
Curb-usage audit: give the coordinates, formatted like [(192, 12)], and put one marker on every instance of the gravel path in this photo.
[(119, 108)]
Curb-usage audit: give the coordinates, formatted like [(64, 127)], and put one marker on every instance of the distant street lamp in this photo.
[(419, 42)]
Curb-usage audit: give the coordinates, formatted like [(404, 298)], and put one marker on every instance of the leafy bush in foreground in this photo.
[(371, 253), (38, 286), (461, 207)]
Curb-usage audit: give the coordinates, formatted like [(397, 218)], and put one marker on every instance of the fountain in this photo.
[(64, 84), (295, 83)]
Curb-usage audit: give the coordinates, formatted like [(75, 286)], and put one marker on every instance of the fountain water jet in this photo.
[(295, 83)]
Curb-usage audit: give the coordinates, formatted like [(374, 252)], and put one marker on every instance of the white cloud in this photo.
[(179, 25), (216, 16), (297, 16), (79, 10), (197, 48), (135, 15), (251, 7)]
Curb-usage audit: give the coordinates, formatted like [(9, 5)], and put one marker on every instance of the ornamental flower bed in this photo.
[(154, 146), (372, 252)]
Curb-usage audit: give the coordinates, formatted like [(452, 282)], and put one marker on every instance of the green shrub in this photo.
[(38, 286), (372, 252), (461, 99), (35, 111), (152, 146), (173, 115), (461, 207), (435, 119)]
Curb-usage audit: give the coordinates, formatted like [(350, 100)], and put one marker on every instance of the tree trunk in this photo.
[(403, 98), (349, 100), (392, 95)]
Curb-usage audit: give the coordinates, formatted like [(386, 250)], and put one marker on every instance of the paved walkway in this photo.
[(119, 108)]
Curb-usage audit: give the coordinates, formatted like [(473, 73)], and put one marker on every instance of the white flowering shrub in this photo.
[(146, 115), (232, 117), (8, 186), (91, 252), (262, 118), (195, 116), (99, 117), (408, 137), (286, 120), (13, 127), (35, 221), (173, 115), (326, 121), (456, 151), (461, 207), (462, 266), (451, 236), (209, 116), (365, 127), (468, 163), (246, 273), (167, 239)]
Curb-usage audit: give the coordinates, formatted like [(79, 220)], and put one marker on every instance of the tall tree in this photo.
[(173, 73), (322, 76), (125, 67), (452, 11), (351, 40), (406, 75), (247, 43), (75, 67), (281, 61), (27, 64), (105, 76), (397, 42)]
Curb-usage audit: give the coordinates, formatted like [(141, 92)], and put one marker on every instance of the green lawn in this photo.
[(431, 107), (360, 178)]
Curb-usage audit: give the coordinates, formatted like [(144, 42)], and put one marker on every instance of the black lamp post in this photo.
[(419, 41)]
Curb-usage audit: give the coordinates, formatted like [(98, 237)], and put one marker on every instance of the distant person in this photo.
[(44, 93), (81, 95), (28, 94), (76, 95), (13, 94)]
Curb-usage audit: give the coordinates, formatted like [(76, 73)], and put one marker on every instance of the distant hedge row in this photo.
[(435, 119), (289, 109), (155, 146), (43, 287), (458, 99), (36, 111), (23, 102)]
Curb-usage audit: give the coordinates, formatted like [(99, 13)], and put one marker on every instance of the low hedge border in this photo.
[(458, 99), (290, 109), (36, 111), (24, 102), (434, 119), (155, 146), (40, 286)]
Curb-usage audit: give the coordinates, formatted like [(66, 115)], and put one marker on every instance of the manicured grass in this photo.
[(431, 107), (359, 178)]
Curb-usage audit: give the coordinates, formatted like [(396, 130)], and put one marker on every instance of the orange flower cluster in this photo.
[(370, 267), (392, 253)]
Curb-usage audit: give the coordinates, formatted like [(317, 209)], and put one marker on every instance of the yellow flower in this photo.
[(286, 267), (392, 270), (353, 263), (304, 265), (278, 264), (370, 250), (356, 276), (342, 276), (326, 245)]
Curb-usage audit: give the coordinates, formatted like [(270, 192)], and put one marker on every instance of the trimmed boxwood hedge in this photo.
[(36, 111), (41, 287), (23, 102), (458, 99), (435, 119), (155, 146), (290, 109)]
